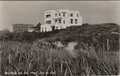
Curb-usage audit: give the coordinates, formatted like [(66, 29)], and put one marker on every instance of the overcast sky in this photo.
[(32, 12)]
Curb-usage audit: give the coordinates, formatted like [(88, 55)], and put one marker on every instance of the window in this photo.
[(56, 27), (71, 14), (48, 22), (77, 14), (45, 29), (56, 14), (55, 21), (63, 14), (76, 21), (59, 20), (48, 15), (59, 14), (64, 22), (71, 21), (42, 29)]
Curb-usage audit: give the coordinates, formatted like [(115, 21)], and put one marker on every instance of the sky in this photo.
[(32, 12)]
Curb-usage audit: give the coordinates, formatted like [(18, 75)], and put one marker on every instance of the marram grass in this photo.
[(36, 57)]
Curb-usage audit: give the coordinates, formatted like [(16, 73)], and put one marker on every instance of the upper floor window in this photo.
[(56, 14), (59, 14), (77, 14), (63, 14), (71, 21), (48, 15), (55, 21), (71, 14)]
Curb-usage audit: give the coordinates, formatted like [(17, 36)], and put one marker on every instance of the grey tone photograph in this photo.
[(59, 38)]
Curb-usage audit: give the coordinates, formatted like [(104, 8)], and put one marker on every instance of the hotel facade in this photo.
[(60, 19)]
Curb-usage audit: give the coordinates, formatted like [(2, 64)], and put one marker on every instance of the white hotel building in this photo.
[(60, 19)]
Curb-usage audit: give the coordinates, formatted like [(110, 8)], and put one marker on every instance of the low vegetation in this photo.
[(96, 52), (24, 57)]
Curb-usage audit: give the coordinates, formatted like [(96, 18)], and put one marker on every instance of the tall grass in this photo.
[(39, 57)]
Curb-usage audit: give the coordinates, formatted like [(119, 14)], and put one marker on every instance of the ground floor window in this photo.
[(76, 21), (61, 27), (63, 21), (56, 27), (59, 20), (45, 29), (71, 21)]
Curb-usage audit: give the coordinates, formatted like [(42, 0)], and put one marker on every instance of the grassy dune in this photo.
[(96, 53), (39, 57)]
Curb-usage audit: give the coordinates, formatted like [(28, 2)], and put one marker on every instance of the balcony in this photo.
[(57, 18)]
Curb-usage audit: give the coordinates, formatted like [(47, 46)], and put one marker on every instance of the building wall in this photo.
[(45, 28), (22, 27), (61, 19)]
